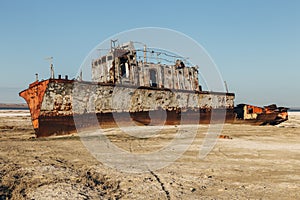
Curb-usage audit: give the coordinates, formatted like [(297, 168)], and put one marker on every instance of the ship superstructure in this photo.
[(122, 66)]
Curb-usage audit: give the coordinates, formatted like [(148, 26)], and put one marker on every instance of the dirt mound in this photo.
[(57, 180)]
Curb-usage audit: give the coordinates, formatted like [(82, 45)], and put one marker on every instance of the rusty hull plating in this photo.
[(52, 110), (33, 97)]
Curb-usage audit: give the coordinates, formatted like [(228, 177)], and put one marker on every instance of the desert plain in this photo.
[(249, 162)]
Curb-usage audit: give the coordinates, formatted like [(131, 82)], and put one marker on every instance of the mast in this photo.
[(145, 53), (50, 59), (226, 86)]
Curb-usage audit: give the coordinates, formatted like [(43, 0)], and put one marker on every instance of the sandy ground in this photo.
[(259, 162)]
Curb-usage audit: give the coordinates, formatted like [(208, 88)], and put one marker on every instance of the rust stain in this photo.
[(254, 109), (225, 137), (34, 98), (271, 114)]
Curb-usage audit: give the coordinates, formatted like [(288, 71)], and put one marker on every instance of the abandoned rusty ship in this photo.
[(124, 90)]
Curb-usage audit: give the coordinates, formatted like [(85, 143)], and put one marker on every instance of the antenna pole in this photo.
[(145, 53), (80, 76), (52, 71), (50, 59), (226, 86), (113, 44)]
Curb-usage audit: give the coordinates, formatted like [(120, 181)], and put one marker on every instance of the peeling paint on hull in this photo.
[(59, 105)]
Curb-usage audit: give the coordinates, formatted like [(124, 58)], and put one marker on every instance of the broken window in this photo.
[(124, 67), (153, 82), (250, 110)]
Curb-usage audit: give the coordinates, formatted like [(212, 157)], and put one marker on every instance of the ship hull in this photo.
[(267, 115), (61, 125), (262, 119), (60, 106)]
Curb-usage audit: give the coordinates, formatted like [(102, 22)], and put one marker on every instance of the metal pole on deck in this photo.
[(226, 86), (50, 59), (145, 54)]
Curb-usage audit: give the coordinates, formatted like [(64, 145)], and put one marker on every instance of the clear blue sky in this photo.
[(255, 44)]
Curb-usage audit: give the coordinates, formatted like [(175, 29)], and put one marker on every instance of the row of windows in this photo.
[(103, 60)]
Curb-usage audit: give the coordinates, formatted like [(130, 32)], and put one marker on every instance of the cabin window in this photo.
[(169, 71), (109, 58), (250, 110), (124, 67), (103, 59), (153, 82)]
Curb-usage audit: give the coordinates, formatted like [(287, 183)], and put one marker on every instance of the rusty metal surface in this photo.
[(260, 116), (122, 66), (67, 98), (33, 97), (53, 103), (66, 125)]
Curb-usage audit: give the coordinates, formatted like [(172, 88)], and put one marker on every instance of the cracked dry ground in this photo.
[(257, 163)]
